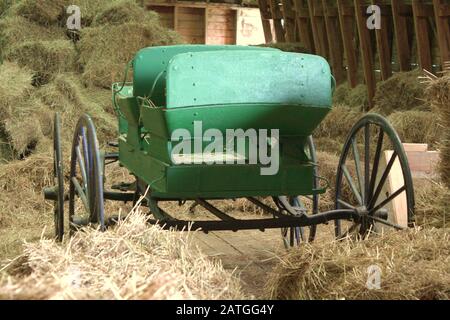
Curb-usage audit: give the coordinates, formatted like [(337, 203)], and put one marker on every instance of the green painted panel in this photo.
[(240, 77), (149, 62)]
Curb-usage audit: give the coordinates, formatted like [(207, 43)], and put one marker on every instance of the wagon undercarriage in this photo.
[(171, 90)]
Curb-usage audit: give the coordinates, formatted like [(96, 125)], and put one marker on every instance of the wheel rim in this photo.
[(364, 187), (86, 177), (58, 179), (294, 236)]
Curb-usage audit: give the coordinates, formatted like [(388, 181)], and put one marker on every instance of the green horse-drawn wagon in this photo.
[(205, 122)]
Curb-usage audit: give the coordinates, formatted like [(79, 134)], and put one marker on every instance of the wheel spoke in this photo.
[(376, 163), (387, 223), (85, 150), (358, 167), (366, 163), (388, 199), (352, 185), (386, 172), (80, 193), (346, 204), (82, 167)]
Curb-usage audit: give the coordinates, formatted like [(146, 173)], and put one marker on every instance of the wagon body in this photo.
[(221, 87)]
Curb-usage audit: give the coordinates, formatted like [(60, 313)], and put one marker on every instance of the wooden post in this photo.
[(266, 15), (346, 18), (383, 46), (401, 35), (320, 44), (366, 50), (289, 20), (334, 39), (422, 37), (303, 25), (442, 16), (175, 18), (276, 18)]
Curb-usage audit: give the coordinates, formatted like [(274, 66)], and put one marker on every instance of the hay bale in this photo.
[(15, 30), (341, 93), (288, 46), (131, 261), (415, 264), (105, 50), (45, 58), (416, 126), (438, 93), (122, 11), (89, 9), (338, 122), (403, 91), (44, 12), (15, 89), (432, 204), (358, 97), (67, 95), (4, 6)]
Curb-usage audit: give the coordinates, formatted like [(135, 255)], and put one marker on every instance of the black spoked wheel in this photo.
[(58, 177), (373, 177), (86, 205), (301, 205)]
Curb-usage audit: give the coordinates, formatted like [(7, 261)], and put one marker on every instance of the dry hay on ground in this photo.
[(415, 264), (416, 126), (130, 261), (438, 93), (104, 50), (403, 91)]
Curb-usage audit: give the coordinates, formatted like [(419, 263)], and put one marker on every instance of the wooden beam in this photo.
[(422, 37), (401, 36), (315, 31), (383, 43), (334, 41), (303, 25), (266, 14), (346, 23), (443, 29), (276, 18), (366, 51), (289, 20)]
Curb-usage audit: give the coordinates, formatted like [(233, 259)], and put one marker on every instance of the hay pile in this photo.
[(403, 91), (43, 73), (432, 204), (131, 261), (415, 264), (106, 47), (416, 126), (45, 58), (338, 122), (438, 92), (356, 98), (287, 46)]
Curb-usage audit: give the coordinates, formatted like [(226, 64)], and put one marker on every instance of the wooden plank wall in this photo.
[(337, 30), (220, 26), (198, 22)]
